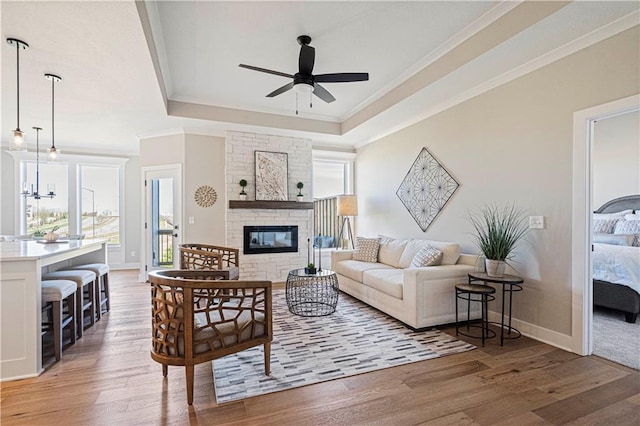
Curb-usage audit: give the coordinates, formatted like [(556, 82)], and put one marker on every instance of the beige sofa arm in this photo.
[(420, 275), (340, 255)]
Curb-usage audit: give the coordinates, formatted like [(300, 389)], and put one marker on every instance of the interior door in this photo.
[(162, 218)]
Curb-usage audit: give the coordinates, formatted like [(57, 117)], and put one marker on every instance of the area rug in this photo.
[(615, 339), (355, 339)]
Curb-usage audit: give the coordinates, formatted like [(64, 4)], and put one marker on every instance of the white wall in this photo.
[(202, 160), (512, 144), (616, 158)]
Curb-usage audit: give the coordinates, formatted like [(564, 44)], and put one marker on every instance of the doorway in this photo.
[(162, 217), (582, 202)]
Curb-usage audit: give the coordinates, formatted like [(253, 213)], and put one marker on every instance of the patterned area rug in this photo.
[(355, 339)]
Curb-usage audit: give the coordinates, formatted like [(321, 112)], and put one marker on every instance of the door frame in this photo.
[(581, 268), (145, 211)]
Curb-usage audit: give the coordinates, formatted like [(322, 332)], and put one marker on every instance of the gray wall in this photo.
[(512, 144), (616, 158)]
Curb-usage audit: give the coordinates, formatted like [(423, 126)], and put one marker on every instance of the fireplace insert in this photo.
[(270, 239)]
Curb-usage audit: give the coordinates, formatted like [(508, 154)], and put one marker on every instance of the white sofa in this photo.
[(419, 297)]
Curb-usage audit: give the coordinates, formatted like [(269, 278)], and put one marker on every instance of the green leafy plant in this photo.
[(38, 233), (300, 185), (498, 230), (311, 266), (243, 184)]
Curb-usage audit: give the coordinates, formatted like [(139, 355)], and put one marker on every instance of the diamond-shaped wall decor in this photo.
[(426, 189)]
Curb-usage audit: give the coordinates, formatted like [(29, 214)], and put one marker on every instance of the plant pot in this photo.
[(495, 268), (243, 197), (310, 271), (300, 198)]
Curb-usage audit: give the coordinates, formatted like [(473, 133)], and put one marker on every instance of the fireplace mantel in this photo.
[(272, 205)]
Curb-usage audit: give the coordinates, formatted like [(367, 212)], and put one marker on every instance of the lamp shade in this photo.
[(347, 205)]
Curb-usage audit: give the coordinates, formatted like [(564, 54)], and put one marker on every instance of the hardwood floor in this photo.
[(108, 378)]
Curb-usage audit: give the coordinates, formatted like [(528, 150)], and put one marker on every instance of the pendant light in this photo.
[(53, 152), (35, 193), (17, 142)]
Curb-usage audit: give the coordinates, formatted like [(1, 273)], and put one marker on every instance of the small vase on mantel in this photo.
[(495, 268), (300, 198), (243, 197)]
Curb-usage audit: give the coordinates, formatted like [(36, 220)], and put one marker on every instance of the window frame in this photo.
[(74, 162)]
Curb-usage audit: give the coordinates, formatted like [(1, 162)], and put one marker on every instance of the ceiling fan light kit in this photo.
[(304, 82)]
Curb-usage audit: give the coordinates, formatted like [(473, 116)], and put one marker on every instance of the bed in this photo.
[(616, 268)]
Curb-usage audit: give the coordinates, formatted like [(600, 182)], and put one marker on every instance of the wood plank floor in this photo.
[(108, 378)]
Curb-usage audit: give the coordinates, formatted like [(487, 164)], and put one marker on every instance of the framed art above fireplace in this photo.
[(271, 176)]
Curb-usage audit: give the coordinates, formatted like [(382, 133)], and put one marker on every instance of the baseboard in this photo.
[(550, 337), (121, 266)]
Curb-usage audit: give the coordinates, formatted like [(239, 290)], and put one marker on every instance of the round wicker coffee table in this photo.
[(312, 295)]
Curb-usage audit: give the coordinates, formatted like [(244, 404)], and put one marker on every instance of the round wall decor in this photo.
[(205, 196)]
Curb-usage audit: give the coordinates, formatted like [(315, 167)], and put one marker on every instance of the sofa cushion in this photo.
[(450, 251), (427, 256), (388, 281), (366, 249), (354, 268), (390, 250)]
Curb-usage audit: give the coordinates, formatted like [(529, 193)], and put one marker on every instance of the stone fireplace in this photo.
[(240, 150)]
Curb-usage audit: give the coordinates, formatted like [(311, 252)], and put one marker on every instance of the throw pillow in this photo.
[(427, 256), (366, 249), (635, 216), (604, 226), (614, 239), (629, 227)]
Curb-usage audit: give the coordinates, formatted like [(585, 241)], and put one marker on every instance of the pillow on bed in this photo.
[(629, 227), (604, 226), (614, 239), (612, 215)]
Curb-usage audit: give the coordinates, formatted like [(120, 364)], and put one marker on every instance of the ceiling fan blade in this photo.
[(342, 77), (283, 89), (306, 60), (323, 93), (250, 67)]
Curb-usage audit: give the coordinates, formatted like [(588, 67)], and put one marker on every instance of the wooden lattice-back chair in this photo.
[(206, 256), (197, 317)]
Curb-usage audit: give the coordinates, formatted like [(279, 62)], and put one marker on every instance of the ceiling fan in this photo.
[(304, 82)]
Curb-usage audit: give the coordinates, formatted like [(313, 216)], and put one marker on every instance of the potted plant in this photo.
[(310, 269), (300, 185), (243, 194), (498, 231)]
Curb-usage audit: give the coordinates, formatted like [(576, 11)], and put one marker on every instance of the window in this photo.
[(100, 202), (47, 213), (87, 200), (332, 176)]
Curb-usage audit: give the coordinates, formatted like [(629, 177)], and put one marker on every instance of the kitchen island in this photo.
[(22, 264)]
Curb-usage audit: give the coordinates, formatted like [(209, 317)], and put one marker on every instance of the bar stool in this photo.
[(54, 293), (101, 287), (475, 293), (82, 279)]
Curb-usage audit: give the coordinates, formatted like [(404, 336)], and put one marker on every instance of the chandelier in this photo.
[(35, 192)]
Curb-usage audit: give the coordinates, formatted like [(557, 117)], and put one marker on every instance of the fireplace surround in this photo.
[(270, 239)]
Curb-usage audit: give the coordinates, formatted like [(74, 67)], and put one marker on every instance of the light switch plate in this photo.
[(536, 222), (192, 220)]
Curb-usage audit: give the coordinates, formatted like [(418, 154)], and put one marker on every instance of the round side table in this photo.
[(510, 284), (475, 293), (312, 295)]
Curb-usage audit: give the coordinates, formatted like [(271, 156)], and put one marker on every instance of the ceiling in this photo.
[(138, 69)]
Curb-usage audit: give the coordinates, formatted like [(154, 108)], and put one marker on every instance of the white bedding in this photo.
[(617, 264)]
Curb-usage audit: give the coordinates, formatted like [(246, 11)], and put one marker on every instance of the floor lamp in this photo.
[(347, 206)]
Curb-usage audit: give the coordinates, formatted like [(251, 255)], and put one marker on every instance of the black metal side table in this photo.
[(312, 295), (475, 293), (510, 284)]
